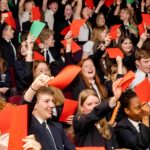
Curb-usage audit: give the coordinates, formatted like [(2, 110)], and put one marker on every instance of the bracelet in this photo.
[(32, 89)]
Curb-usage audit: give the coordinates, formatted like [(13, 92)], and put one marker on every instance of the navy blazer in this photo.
[(128, 137), (85, 130), (62, 142), (60, 138)]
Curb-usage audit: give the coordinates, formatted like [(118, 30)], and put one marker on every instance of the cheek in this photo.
[(86, 109)]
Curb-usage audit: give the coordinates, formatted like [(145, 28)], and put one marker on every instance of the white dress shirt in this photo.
[(88, 47), (49, 18), (51, 59), (135, 124)]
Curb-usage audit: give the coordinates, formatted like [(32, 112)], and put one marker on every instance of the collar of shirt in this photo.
[(40, 120), (142, 74), (135, 124)]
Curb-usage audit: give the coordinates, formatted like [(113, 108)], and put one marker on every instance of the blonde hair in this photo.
[(131, 15), (104, 127)]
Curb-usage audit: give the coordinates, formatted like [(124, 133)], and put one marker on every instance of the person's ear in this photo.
[(127, 111), (137, 62)]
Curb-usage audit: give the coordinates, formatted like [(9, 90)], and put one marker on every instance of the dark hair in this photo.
[(24, 37), (51, 1), (126, 98)]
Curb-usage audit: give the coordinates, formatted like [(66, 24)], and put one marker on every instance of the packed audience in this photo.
[(106, 116)]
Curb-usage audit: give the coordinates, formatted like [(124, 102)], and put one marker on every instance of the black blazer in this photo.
[(86, 132), (7, 52), (23, 72), (128, 137), (62, 142)]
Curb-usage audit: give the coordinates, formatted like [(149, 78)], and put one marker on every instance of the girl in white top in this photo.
[(25, 8), (83, 13)]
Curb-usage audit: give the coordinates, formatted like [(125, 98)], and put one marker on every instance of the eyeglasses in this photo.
[(42, 71)]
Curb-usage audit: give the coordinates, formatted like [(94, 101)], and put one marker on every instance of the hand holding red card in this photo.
[(114, 52), (69, 108), (65, 77), (126, 80), (74, 46), (76, 25), (143, 90), (113, 32)]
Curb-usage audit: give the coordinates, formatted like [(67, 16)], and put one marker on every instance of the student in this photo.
[(88, 79), (50, 7), (91, 129), (133, 132), (4, 5), (47, 39), (23, 64), (25, 7), (49, 134), (142, 61), (8, 51)]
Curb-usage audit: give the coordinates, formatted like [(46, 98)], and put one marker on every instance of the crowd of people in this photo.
[(97, 121)]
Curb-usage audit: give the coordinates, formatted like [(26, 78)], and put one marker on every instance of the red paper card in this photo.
[(38, 41), (75, 47), (76, 25), (65, 77), (114, 52), (143, 90), (65, 30), (90, 148), (69, 108), (10, 20), (5, 121), (108, 3), (126, 80), (141, 28), (146, 19), (36, 15), (113, 32), (89, 3), (18, 127), (38, 56)]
